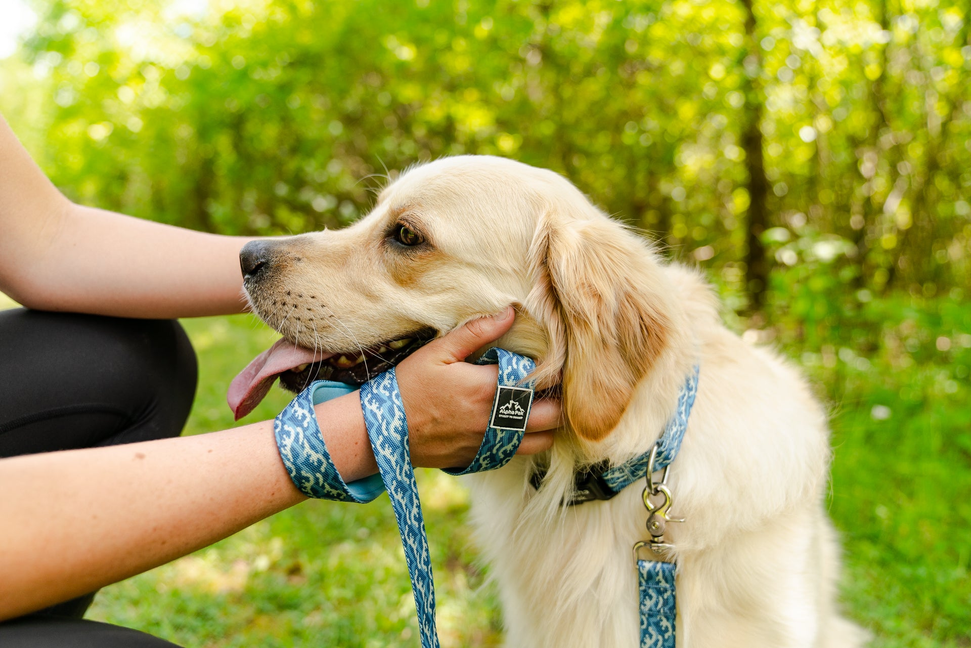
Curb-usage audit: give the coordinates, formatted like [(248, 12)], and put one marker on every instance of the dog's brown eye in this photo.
[(407, 236)]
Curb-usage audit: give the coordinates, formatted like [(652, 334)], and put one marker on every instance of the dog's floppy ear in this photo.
[(597, 293)]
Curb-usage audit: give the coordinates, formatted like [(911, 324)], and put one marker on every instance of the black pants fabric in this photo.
[(50, 631), (70, 381)]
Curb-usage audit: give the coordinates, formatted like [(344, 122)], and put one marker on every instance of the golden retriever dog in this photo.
[(619, 330)]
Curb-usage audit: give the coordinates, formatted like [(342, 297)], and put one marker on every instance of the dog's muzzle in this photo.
[(255, 259)]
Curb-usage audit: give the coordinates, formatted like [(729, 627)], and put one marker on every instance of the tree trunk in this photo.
[(756, 262), (872, 208)]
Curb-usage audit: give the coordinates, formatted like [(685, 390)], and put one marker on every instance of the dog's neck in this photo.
[(654, 402)]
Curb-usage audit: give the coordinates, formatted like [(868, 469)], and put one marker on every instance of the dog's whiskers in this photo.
[(350, 334), (283, 322), (309, 377)]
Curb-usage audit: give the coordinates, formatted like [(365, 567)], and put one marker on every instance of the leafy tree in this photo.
[(713, 124)]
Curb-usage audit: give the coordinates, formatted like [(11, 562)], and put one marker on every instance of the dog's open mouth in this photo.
[(297, 367)]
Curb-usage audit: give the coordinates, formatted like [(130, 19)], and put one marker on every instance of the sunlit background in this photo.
[(15, 19), (813, 158)]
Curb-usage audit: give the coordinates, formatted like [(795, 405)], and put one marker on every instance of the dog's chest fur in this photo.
[(756, 555)]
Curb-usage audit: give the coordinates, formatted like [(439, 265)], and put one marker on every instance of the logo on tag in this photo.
[(511, 408)]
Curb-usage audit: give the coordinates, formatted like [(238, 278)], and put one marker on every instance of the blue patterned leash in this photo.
[(510, 410), (656, 579), (304, 452), (384, 415), (387, 426), (312, 471), (658, 603), (305, 456)]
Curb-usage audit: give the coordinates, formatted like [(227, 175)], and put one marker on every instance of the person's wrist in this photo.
[(346, 436)]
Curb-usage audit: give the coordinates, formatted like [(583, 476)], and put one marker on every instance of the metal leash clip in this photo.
[(658, 515)]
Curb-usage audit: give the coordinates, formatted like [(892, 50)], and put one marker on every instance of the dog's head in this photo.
[(457, 239)]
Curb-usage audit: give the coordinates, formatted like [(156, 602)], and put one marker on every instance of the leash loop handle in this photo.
[(304, 453)]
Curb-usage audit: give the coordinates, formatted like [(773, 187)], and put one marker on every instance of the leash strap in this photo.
[(304, 452), (656, 579), (510, 410), (387, 427), (305, 456), (658, 605)]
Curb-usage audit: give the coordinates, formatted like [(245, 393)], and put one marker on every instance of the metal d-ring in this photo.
[(657, 548)]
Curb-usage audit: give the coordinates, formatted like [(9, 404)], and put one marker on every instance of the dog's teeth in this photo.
[(300, 368), (399, 344), (359, 359), (344, 362), (382, 349)]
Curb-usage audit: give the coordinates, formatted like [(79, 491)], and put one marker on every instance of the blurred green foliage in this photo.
[(262, 117), (278, 116)]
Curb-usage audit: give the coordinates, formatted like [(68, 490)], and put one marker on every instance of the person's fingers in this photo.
[(545, 414), (535, 442), (544, 417), (463, 341)]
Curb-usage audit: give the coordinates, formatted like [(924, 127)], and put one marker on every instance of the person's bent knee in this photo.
[(74, 381), (153, 370)]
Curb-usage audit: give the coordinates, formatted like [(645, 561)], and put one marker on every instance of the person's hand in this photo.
[(448, 401)]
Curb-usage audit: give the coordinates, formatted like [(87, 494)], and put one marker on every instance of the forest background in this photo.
[(813, 157)]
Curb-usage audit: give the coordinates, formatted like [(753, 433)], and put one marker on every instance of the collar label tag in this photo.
[(511, 408)]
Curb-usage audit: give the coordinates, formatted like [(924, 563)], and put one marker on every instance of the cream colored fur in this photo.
[(757, 557)]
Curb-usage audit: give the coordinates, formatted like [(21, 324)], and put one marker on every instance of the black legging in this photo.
[(72, 381)]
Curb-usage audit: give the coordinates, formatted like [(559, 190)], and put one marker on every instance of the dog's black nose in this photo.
[(254, 258)]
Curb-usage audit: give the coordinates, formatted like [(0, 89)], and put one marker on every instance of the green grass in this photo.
[(901, 478), (894, 371)]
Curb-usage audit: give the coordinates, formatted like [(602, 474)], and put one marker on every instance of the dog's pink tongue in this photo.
[(253, 382)]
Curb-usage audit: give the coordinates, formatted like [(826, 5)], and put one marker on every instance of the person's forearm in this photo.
[(55, 255), (78, 520), (73, 521), (108, 264)]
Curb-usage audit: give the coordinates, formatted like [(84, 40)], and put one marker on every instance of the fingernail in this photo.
[(503, 314)]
